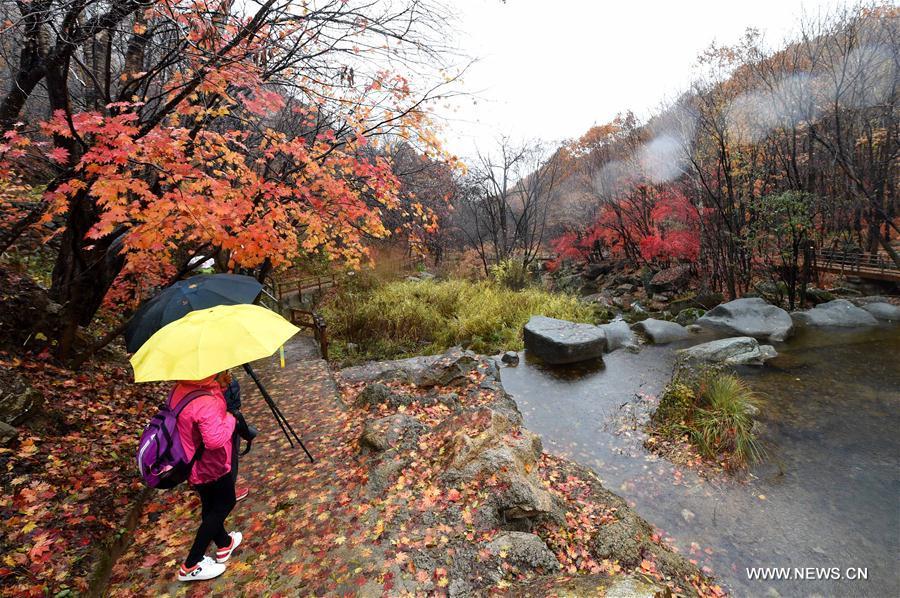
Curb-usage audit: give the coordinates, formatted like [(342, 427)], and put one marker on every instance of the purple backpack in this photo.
[(161, 459)]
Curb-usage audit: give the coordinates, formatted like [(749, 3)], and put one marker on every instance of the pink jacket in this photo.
[(206, 419)]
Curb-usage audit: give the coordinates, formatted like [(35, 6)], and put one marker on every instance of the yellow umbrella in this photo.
[(208, 341)]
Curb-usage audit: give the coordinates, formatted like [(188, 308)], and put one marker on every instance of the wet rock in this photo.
[(510, 358), (560, 341), (404, 370), (670, 279), (618, 334), (7, 433), (632, 279), (687, 515), (883, 311), (837, 313), (817, 296), (394, 431), (700, 300), (523, 550), (661, 332), (576, 586), (375, 394), (750, 316), (621, 303), (506, 405), (450, 369), (741, 350), (384, 473), (594, 271), (862, 301), (689, 315), (570, 282), (18, 399), (598, 299), (619, 540), (501, 449)]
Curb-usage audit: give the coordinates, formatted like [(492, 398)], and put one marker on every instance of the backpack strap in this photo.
[(185, 400)]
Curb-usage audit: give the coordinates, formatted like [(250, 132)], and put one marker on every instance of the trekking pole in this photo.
[(276, 412)]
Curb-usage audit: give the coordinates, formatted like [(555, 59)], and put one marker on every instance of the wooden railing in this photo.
[(865, 265), (305, 318), (299, 285)]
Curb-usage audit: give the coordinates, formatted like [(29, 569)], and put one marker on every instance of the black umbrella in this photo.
[(183, 297), (202, 292)]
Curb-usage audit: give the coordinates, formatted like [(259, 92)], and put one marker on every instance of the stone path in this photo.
[(295, 521)]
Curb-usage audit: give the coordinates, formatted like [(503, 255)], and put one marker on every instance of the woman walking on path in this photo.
[(205, 425)]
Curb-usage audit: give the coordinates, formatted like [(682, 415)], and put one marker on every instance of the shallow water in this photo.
[(827, 496)]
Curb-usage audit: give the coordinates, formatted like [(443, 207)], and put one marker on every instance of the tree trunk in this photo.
[(31, 69), (83, 273)]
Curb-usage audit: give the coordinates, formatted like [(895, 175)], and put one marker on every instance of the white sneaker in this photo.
[(205, 569), (223, 554)]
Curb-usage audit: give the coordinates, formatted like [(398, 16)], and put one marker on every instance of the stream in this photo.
[(827, 495)]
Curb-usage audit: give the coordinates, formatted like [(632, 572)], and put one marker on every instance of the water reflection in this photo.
[(829, 495)]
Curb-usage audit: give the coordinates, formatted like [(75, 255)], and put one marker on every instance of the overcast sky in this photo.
[(551, 69)]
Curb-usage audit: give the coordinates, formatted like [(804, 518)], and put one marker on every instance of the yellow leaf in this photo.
[(28, 527)]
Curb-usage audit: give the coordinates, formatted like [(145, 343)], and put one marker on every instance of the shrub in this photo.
[(511, 273), (714, 410), (405, 318)]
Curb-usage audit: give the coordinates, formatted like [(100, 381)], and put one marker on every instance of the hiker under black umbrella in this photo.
[(203, 292)]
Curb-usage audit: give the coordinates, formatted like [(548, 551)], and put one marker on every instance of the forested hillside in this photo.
[(767, 156)]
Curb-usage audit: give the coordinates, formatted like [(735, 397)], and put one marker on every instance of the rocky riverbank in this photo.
[(474, 503)]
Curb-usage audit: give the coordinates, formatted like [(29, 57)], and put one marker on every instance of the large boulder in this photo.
[(618, 334), (838, 313), (450, 369), (661, 332), (883, 311), (500, 448), (750, 316), (560, 341), (741, 350)]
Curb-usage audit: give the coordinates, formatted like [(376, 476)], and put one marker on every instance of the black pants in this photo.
[(217, 500), (235, 449)]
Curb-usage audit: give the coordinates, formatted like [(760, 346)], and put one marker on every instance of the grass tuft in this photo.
[(714, 410), (403, 318)]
